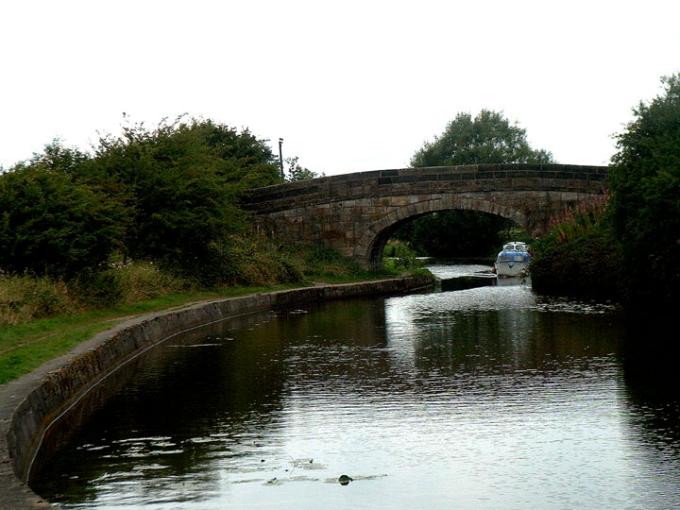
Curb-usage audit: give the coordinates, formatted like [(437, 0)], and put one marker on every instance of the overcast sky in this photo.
[(350, 85)]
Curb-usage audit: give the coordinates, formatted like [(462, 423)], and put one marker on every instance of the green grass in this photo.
[(24, 347)]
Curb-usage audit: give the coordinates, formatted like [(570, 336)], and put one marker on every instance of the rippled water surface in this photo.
[(484, 398)]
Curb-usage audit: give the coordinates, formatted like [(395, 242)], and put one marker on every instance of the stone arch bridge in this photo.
[(357, 213)]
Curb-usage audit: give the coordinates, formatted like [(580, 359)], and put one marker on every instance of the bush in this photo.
[(169, 195)]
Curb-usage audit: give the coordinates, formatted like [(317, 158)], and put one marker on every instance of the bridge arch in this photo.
[(371, 245)]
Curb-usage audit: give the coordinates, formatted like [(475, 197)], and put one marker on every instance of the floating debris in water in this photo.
[(344, 479), (298, 312)]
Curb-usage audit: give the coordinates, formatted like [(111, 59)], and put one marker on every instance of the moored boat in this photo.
[(513, 259)]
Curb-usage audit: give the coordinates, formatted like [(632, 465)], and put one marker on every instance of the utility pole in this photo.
[(283, 176)]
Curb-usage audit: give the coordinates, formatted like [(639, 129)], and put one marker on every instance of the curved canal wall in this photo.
[(39, 411)]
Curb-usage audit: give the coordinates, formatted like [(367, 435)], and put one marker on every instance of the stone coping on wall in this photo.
[(31, 405)]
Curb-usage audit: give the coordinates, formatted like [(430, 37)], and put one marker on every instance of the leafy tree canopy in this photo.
[(487, 138)]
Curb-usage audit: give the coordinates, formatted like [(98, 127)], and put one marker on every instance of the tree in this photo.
[(182, 180), (299, 173), (487, 138), (645, 205), (168, 194), (52, 225)]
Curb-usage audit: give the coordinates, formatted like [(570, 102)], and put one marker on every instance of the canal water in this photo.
[(484, 398)]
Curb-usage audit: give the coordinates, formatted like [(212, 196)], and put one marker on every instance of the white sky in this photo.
[(350, 85)]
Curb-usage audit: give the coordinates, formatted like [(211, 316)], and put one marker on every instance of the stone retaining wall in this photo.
[(33, 406)]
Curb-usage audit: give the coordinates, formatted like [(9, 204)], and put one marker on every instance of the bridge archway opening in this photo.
[(480, 236)]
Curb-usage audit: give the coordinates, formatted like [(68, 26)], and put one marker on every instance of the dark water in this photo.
[(484, 398)]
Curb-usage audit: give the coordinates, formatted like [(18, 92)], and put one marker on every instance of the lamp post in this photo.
[(283, 176)]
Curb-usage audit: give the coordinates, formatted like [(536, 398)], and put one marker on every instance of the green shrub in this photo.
[(396, 248)]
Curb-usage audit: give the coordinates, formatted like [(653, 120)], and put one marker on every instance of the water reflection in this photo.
[(484, 398)]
